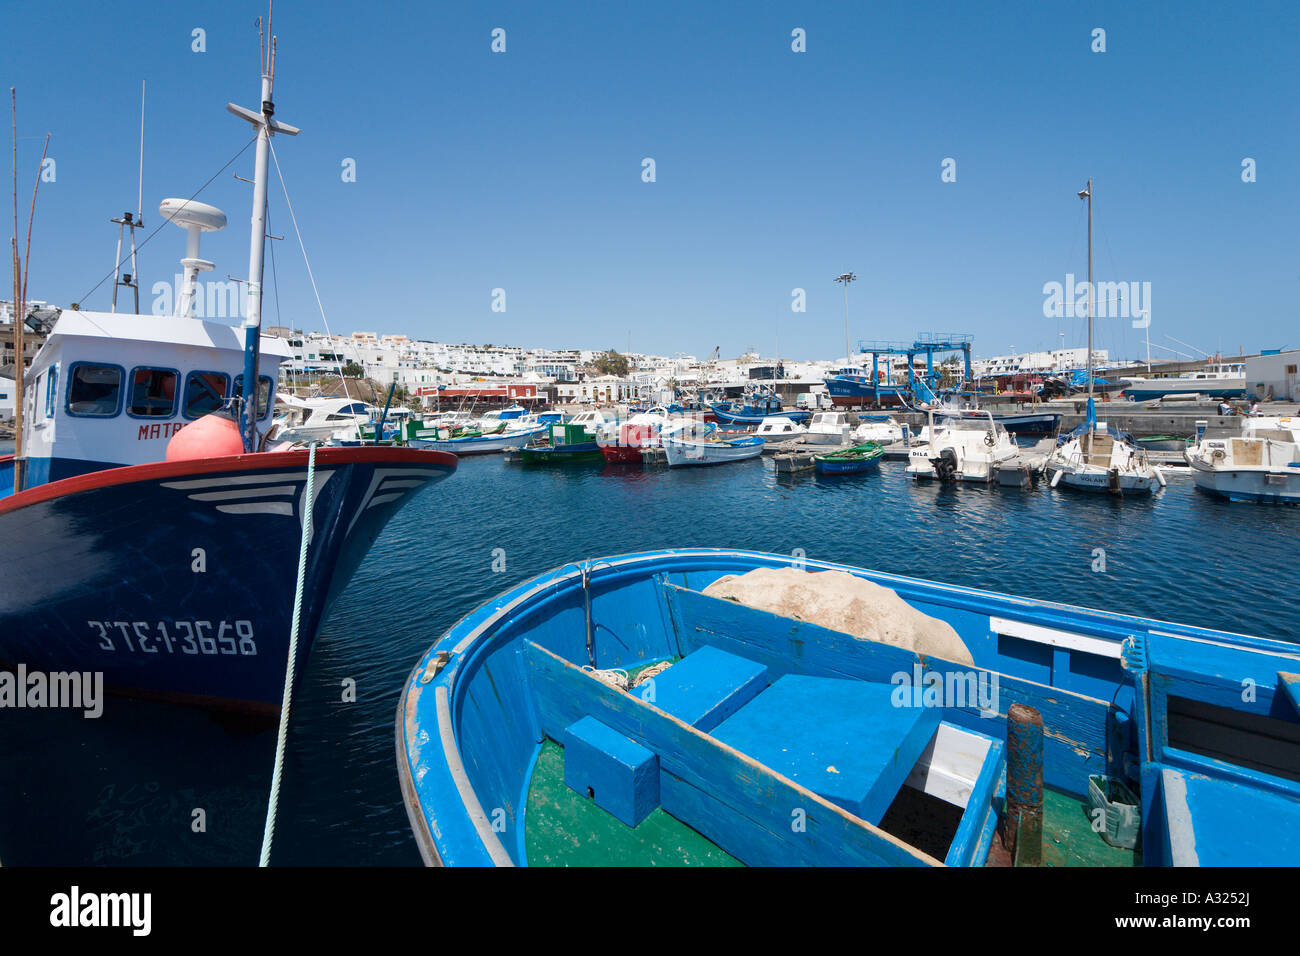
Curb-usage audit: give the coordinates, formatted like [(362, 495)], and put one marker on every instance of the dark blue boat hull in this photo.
[(744, 417), (846, 467), (176, 581)]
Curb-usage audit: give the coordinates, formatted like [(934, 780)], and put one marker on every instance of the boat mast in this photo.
[(132, 281), (265, 125), (1087, 194)]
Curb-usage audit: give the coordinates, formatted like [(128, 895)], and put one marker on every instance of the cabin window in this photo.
[(51, 390), (153, 393), (205, 392), (95, 391), (264, 387)]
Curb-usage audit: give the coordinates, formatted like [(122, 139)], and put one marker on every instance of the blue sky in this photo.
[(775, 170)]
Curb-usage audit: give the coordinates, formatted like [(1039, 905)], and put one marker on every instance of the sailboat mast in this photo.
[(1092, 424), (1089, 286)]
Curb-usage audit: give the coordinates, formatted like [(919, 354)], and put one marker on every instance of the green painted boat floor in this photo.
[(1069, 839), (562, 828)]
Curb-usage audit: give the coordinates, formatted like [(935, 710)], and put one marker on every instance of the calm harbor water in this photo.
[(148, 783)]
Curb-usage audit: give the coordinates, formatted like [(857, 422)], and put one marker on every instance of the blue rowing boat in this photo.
[(530, 732)]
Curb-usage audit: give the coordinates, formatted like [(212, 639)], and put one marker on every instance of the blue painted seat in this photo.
[(1210, 822), (842, 739), (706, 687), (615, 771)]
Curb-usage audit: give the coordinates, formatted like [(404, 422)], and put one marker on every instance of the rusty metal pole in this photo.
[(1022, 832)]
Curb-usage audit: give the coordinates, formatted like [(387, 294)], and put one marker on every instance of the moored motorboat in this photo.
[(566, 444), (1260, 465), (829, 428), (685, 447), (778, 428), (756, 408), (964, 449), (470, 441), (859, 458), (883, 431)]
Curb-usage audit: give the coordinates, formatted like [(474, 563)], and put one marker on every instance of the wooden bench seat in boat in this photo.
[(843, 739), (706, 687), (1082, 728), (758, 813)]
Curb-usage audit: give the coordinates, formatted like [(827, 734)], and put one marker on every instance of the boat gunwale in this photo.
[(251, 461)]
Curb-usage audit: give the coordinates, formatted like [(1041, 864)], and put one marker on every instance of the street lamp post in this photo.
[(844, 280)]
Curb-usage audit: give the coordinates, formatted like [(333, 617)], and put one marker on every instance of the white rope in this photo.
[(654, 670), (281, 737), (614, 677)]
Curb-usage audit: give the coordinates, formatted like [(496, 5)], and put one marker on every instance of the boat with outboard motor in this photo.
[(962, 449), (150, 532)]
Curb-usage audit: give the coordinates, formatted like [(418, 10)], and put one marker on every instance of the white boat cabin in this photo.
[(110, 389), (779, 428)]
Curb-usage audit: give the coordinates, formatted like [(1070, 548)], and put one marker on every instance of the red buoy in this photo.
[(213, 436)]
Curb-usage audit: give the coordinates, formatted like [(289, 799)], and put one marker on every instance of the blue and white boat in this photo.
[(1219, 380), (853, 387), (628, 711), (754, 409), (689, 444), (146, 535)]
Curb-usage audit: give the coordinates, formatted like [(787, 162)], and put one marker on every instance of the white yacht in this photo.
[(964, 449), (882, 432), (1262, 464), (322, 419)]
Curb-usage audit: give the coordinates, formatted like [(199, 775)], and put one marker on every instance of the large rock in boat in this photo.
[(842, 602)]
